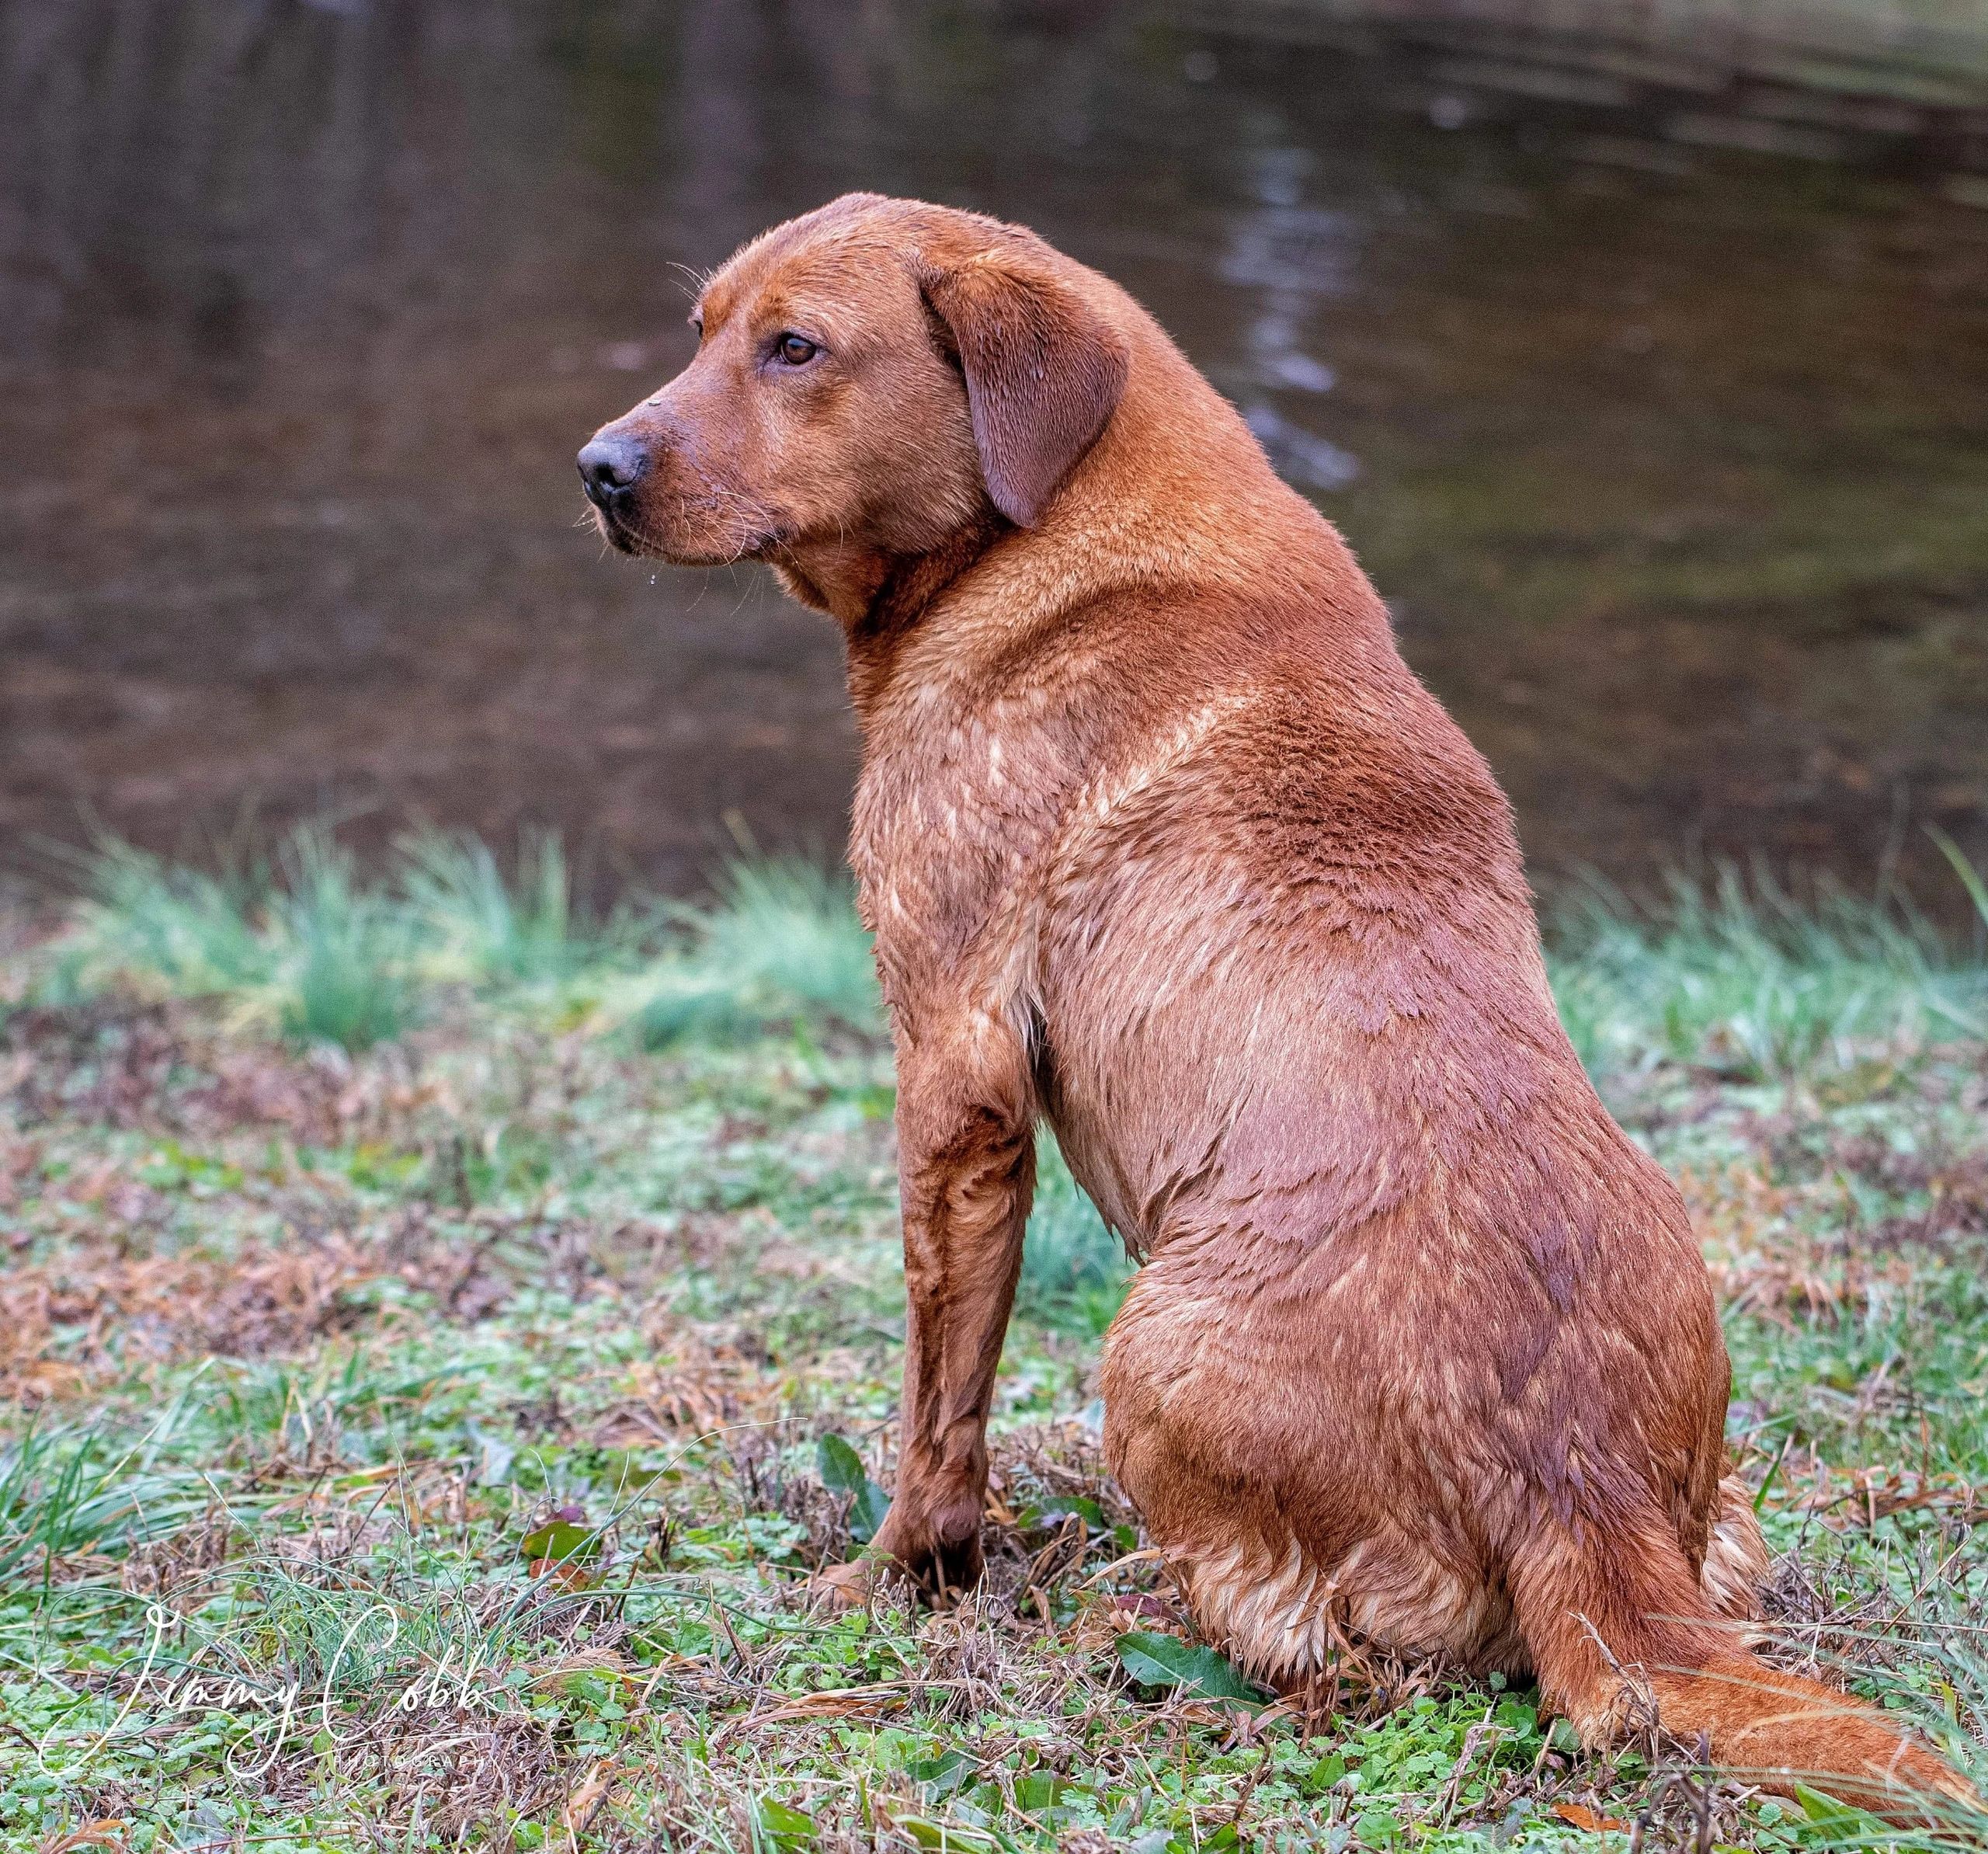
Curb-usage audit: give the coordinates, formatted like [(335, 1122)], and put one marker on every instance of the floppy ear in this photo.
[(1044, 371)]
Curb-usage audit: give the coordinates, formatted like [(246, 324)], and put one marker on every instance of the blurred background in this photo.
[(1640, 349)]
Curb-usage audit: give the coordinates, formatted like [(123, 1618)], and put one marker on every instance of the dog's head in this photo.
[(870, 379)]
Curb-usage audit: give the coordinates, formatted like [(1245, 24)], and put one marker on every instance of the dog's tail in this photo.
[(1622, 1623)]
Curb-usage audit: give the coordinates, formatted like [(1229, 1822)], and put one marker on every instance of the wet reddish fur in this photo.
[(1162, 842)]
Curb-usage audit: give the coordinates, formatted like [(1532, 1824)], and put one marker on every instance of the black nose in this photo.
[(610, 467)]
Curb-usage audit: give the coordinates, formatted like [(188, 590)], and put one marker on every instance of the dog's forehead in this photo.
[(841, 268)]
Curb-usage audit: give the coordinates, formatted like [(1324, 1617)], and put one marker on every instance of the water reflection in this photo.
[(1289, 256), (1670, 458)]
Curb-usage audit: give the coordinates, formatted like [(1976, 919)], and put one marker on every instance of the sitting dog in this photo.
[(1162, 842)]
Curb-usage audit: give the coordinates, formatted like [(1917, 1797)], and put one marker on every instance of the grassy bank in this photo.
[(441, 1332)]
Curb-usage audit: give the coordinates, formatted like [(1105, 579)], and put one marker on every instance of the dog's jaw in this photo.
[(643, 542)]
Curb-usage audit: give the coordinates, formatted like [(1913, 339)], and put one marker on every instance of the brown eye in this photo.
[(796, 350)]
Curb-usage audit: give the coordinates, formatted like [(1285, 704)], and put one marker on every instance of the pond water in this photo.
[(1654, 396)]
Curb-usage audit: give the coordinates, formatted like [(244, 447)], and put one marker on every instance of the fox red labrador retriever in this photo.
[(1162, 842)]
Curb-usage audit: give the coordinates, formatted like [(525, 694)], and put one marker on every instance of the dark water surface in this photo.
[(1661, 421)]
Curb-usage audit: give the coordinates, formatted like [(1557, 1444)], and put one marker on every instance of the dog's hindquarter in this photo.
[(1365, 1439), (1408, 1286)]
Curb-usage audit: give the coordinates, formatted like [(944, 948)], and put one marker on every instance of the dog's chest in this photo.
[(954, 811)]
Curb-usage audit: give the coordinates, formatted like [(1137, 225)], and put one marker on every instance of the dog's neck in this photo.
[(843, 581), (878, 598)]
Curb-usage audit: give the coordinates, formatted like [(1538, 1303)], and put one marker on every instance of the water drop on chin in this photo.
[(652, 578)]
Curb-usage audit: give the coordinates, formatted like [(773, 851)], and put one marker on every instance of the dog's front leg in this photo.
[(966, 1150)]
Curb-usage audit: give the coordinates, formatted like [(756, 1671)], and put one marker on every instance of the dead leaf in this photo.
[(592, 1792), (105, 1832), (1575, 1816)]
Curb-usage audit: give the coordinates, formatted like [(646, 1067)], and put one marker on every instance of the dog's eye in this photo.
[(796, 350), (697, 326)]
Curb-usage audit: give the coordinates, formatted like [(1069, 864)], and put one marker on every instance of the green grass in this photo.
[(357, 1227), (1074, 1270), (302, 948), (1738, 977), (780, 944), (480, 926), (299, 946)]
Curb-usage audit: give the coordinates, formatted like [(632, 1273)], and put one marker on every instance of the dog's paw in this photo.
[(841, 1587), (941, 1556)]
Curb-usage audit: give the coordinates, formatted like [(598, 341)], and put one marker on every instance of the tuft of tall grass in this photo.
[(1739, 977), (304, 946), (780, 944), (67, 1493), (184, 931), (301, 947), (478, 926), (343, 952)]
